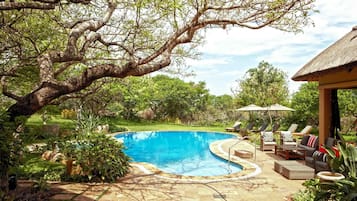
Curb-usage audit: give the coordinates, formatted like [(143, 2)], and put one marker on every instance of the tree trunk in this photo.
[(4, 183), (4, 160)]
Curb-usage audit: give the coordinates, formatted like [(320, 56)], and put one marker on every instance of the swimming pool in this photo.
[(178, 152)]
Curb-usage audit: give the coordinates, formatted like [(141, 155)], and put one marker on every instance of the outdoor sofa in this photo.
[(316, 156)]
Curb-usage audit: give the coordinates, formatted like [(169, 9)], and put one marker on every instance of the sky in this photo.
[(227, 55)]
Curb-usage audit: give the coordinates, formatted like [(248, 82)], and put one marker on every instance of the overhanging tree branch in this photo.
[(26, 5), (36, 4), (140, 48)]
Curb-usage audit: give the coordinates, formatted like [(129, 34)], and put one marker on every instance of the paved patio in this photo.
[(139, 186)]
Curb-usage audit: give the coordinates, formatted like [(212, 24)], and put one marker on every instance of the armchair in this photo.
[(286, 139), (267, 141)]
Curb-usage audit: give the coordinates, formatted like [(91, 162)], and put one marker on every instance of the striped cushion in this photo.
[(312, 141), (320, 156)]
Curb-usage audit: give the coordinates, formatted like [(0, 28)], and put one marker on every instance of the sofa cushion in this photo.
[(320, 156), (309, 150), (268, 136), (305, 139), (330, 142), (322, 149), (290, 143), (312, 141)]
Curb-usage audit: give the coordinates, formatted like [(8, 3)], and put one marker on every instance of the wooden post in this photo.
[(325, 114)]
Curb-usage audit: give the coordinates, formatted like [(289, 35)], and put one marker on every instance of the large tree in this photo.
[(264, 85), (173, 98), (65, 47), (51, 49)]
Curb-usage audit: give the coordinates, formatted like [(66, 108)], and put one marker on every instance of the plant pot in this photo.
[(330, 176), (69, 166)]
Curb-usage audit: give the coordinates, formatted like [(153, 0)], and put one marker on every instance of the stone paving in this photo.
[(139, 186)]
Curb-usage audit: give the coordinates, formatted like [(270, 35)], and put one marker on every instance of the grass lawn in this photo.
[(35, 120), (149, 126)]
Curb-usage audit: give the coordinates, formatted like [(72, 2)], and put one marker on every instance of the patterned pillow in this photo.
[(312, 140), (320, 156), (287, 136), (268, 136)]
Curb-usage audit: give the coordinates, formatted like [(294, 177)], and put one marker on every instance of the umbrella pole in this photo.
[(271, 119)]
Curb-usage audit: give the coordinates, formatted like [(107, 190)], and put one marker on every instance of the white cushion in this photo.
[(268, 136), (290, 143), (287, 136), (269, 143)]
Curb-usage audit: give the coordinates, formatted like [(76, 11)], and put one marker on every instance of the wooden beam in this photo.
[(339, 85)]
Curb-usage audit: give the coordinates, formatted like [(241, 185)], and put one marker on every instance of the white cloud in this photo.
[(228, 54), (208, 62)]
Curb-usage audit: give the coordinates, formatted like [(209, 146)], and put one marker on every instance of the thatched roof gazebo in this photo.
[(334, 68)]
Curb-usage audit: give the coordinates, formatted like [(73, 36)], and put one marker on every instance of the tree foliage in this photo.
[(306, 104), (219, 109), (69, 46), (264, 85), (347, 101), (178, 99), (168, 98)]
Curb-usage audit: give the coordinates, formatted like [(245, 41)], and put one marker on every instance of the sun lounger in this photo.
[(235, 127)]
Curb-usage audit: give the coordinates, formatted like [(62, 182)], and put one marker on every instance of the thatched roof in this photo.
[(340, 55)]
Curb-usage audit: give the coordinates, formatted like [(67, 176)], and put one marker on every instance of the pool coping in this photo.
[(249, 169)]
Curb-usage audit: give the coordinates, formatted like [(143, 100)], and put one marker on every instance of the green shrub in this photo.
[(346, 162), (114, 128), (307, 194), (33, 167), (41, 185), (87, 122), (100, 157)]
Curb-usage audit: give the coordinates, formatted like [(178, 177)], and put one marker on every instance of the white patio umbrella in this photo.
[(277, 107), (251, 107)]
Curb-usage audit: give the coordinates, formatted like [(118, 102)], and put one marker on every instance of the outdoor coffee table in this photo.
[(290, 152), (278, 165), (298, 172), (293, 169)]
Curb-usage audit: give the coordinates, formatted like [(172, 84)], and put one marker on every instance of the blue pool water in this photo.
[(178, 152)]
